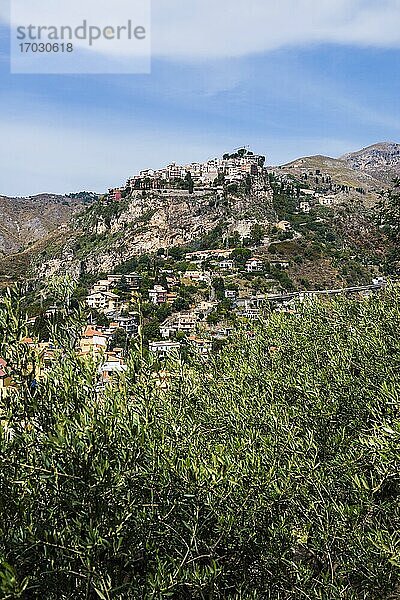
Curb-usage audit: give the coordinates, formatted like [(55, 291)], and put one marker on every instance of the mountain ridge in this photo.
[(26, 220), (380, 160)]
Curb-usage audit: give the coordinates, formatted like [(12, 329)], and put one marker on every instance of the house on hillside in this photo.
[(381, 281), (93, 341), (249, 313), (114, 278), (202, 346), (158, 295), (103, 285), (307, 192), (204, 308), (231, 294), (328, 200), (280, 264), (305, 206), (251, 301), (180, 322), (171, 297), (103, 301), (197, 276), (163, 348), (227, 265), (113, 365), (254, 265), (128, 323), (222, 332), (133, 280)]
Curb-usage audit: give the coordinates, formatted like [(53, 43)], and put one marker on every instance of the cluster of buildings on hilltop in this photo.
[(231, 167)]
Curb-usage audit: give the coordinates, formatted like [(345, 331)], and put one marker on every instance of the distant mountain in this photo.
[(381, 161), (338, 169), (332, 175), (29, 219)]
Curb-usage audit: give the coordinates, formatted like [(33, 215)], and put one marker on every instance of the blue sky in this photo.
[(321, 90)]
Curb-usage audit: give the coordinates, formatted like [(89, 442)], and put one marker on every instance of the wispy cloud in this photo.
[(262, 72), (203, 29)]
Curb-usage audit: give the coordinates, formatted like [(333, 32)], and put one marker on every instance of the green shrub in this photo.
[(272, 471)]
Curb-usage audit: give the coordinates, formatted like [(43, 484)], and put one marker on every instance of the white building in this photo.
[(93, 341), (103, 301), (227, 265), (249, 313), (254, 265), (327, 200), (231, 294), (180, 322), (202, 346), (163, 348), (158, 295), (197, 276), (305, 206), (280, 264)]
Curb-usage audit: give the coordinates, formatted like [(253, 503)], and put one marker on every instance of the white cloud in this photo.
[(103, 37), (203, 29), (212, 29)]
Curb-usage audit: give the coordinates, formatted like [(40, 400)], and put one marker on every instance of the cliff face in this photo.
[(108, 234), (381, 161)]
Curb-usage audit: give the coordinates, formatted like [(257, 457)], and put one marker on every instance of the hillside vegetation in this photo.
[(25, 221), (271, 471)]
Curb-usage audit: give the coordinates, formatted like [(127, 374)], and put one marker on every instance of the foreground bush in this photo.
[(272, 472)]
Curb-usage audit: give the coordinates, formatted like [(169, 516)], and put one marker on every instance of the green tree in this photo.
[(389, 220), (189, 181), (241, 255), (257, 234), (270, 471)]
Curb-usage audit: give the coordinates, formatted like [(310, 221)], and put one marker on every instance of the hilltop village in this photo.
[(192, 297), (231, 168)]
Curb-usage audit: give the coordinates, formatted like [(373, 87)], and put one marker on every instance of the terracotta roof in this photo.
[(89, 332), (2, 373), (3, 363)]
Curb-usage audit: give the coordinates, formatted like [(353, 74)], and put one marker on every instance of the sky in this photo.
[(289, 78)]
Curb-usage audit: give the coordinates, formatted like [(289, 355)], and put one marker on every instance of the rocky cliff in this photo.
[(381, 161), (110, 233)]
